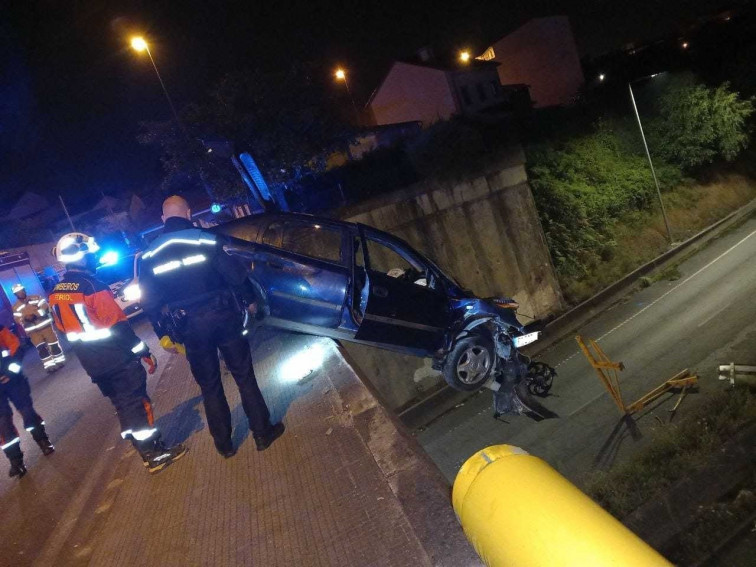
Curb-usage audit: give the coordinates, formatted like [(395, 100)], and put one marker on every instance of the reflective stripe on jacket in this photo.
[(32, 313), (84, 309)]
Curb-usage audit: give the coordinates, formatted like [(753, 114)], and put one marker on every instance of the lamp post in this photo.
[(648, 154), (140, 44), (340, 75)]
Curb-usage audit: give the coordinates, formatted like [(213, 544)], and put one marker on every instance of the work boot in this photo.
[(226, 450), (266, 440), (18, 468), (16, 458), (157, 456), (40, 436)]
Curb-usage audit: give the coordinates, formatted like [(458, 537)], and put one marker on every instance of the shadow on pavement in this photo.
[(181, 422), (609, 450)]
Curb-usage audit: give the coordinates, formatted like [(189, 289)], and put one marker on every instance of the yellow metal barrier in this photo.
[(608, 373), (518, 511)]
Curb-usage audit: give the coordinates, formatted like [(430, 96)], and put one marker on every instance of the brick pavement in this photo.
[(343, 486)]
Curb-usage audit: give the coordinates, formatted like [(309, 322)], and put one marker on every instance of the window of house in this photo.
[(313, 240), (465, 95), (481, 92)]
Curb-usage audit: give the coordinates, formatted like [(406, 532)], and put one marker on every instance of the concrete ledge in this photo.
[(422, 491), (441, 401)]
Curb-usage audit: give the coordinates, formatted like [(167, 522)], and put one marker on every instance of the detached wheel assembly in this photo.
[(540, 378)]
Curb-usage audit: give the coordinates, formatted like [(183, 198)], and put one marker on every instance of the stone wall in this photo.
[(484, 231)]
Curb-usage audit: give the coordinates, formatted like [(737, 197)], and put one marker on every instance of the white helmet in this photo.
[(17, 287), (73, 246)]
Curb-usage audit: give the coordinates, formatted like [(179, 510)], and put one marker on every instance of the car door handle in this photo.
[(275, 266), (379, 291)]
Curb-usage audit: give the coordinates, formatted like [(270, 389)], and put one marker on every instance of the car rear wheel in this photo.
[(469, 364)]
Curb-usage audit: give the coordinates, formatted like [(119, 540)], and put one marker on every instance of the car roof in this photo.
[(265, 218)]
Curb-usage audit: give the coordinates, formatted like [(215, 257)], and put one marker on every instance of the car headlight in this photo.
[(132, 292)]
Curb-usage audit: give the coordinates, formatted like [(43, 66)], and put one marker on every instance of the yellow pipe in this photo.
[(518, 511)]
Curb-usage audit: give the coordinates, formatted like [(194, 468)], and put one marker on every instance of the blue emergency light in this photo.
[(215, 208), (109, 258)]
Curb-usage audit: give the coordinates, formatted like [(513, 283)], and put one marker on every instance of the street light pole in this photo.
[(650, 162), (341, 75), (140, 44)]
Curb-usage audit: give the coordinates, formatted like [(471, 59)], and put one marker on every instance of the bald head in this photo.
[(175, 206)]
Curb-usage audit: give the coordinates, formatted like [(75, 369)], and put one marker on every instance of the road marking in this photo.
[(658, 299), (717, 312)]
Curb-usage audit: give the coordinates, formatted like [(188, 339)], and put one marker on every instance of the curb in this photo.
[(445, 398)]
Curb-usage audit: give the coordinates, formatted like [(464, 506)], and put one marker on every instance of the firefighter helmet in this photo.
[(73, 246), (17, 287)]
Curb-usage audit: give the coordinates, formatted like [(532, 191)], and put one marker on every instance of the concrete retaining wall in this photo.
[(484, 231)]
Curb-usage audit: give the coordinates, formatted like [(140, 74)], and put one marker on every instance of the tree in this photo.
[(582, 183), (697, 124), (285, 119)]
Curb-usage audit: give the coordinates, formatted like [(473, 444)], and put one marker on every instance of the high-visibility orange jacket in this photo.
[(8, 342), (84, 309)]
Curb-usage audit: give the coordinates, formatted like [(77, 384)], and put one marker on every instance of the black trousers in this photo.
[(207, 332), (16, 391), (127, 390)]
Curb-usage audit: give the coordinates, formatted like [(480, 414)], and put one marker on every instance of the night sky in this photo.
[(73, 92)]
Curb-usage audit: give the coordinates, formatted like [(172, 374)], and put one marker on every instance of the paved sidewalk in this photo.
[(343, 486)]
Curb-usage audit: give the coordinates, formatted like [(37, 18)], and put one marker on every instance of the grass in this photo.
[(676, 449), (640, 236)]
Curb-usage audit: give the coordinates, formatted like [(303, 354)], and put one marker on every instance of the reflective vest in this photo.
[(32, 313), (84, 309)]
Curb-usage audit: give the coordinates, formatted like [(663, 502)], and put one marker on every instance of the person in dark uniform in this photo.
[(190, 290), (14, 388), (84, 309)]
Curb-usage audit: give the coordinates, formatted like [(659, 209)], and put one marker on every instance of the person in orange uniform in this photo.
[(108, 349), (14, 388), (33, 314)]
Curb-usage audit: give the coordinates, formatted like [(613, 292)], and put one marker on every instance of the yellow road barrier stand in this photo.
[(517, 511), (608, 373)]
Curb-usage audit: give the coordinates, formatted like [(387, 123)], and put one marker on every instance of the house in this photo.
[(543, 55), (428, 89)]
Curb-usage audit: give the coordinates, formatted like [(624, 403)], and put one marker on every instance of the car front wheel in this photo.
[(469, 364)]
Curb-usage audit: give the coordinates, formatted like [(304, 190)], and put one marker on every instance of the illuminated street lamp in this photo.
[(139, 44), (464, 56), (648, 154), (684, 45), (602, 77), (341, 76)]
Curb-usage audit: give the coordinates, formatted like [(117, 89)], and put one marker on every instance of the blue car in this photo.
[(354, 283)]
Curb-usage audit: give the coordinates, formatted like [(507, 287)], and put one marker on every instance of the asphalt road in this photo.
[(705, 318), (83, 427)]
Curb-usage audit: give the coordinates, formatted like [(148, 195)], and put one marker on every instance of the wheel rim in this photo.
[(473, 365)]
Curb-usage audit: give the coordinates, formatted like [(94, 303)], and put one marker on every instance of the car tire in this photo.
[(470, 362)]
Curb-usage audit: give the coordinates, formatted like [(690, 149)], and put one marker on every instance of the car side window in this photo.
[(387, 261), (313, 240), (272, 235)]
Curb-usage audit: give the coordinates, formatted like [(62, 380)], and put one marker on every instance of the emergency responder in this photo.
[(14, 388), (190, 291), (33, 314), (84, 309)]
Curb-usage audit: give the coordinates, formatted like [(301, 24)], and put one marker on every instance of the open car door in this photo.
[(401, 302)]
